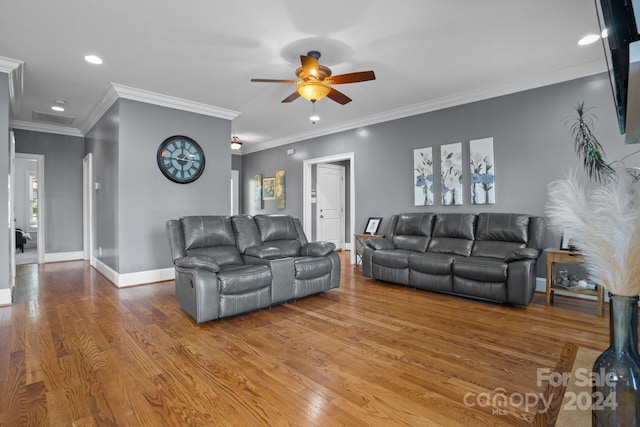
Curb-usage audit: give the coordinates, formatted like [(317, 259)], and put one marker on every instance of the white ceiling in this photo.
[(427, 54)]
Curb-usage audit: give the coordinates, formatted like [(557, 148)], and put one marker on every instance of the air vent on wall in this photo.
[(52, 118)]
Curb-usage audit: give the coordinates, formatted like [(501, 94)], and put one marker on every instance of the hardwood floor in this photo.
[(75, 350)]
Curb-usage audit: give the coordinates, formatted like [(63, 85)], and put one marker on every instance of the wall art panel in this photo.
[(483, 189), (451, 174)]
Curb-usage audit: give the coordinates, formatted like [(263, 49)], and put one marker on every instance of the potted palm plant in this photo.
[(605, 215)]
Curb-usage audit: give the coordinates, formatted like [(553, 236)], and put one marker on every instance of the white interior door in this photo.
[(330, 204)]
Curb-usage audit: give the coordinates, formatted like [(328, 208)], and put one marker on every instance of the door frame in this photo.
[(12, 210), (87, 207), (342, 201), (40, 239), (307, 199), (235, 192)]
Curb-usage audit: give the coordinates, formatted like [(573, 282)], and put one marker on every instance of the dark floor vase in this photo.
[(616, 397)]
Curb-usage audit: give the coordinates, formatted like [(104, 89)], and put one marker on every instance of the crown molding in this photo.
[(15, 70), (115, 91), (40, 127), (104, 103), (173, 102), (521, 85)]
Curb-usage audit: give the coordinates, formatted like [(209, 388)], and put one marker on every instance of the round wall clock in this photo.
[(180, 159)]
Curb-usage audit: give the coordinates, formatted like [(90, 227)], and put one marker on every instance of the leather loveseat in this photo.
[(489, 256), (230, 265)]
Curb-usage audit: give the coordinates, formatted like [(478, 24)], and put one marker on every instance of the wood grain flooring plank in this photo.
[(36, 408)]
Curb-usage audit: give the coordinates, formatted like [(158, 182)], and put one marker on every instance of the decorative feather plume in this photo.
[(606, 221)]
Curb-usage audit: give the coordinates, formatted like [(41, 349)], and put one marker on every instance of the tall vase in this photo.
[(616, 380)]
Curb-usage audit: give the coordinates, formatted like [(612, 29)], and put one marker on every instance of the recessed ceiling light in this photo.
[(57, 108), (588, 39), (93, 59)]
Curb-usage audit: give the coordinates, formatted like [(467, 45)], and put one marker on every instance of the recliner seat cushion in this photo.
[(432, 263), (311, 267), (480, 269), (493, 249), (392, 258), (235, 279)]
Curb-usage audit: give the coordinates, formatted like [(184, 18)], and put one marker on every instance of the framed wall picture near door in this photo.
[(373, 224)]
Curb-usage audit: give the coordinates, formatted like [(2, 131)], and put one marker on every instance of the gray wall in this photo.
[(531, 142), (136, 198), (5, 265), (147, 198), (102, 142)]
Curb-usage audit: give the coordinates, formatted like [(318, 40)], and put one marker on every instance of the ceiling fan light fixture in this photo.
[(236, 144), (313, 91)]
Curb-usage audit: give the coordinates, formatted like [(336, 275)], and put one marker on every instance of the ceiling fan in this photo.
[(316, 80)]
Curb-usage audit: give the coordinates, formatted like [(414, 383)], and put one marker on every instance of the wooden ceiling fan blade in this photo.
[(309, 66), (339, 97), (360, 76), (275, 81), (295, 95)]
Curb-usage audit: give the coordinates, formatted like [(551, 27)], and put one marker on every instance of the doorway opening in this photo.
[(28, 207), (309, 196)]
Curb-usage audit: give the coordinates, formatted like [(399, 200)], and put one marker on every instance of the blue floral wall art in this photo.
[(451, 173), (483, 188), (423, 176)]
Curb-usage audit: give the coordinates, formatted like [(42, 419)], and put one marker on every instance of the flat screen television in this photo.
[(618, 22)]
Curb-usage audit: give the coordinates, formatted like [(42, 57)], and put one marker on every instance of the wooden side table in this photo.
[(561, 256), (360, 241)]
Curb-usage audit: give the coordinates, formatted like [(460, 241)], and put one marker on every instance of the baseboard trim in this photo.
[(133, 279), (63, 256), (5, 296), (146, 277)]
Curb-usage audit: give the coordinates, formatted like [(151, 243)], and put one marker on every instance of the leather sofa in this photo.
[(490, 256), (230, 265)]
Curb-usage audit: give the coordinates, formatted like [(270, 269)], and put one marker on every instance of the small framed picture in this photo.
[(569, 242), (373, 224), (268, 188)]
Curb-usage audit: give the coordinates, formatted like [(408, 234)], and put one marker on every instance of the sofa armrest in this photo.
[(199, 261), (317, 249), (522, 254), (380, 243)]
